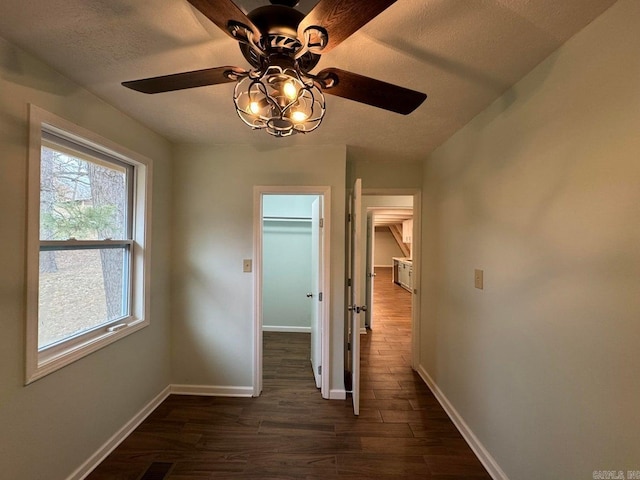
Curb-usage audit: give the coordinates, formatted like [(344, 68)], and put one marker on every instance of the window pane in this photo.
[(79, 290), (80, 198)]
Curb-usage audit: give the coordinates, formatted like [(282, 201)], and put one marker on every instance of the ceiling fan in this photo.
[(283, 45)]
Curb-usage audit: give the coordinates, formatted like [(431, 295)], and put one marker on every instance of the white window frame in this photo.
[(41, 362)]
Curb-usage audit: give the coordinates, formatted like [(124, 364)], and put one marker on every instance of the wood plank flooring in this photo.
[(290, 432)]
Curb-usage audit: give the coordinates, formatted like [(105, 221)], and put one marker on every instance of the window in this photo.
[(87, 258)]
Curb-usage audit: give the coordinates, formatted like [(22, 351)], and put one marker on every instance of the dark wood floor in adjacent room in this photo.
[(290, 432)]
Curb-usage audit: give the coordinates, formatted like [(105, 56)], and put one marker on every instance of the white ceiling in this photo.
[(384, 217), (463, 53)]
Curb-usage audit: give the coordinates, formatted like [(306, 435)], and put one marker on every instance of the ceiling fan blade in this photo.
[(369, 91), (341, 18), (180, 81), (225, 13)]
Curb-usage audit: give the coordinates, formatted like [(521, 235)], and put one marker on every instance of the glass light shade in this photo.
[(279, 100)]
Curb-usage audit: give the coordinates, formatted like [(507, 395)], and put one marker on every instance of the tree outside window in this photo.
[(88, 243), (81, 285)]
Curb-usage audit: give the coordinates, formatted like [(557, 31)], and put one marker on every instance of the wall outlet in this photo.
[(478, 279), (246, 265)]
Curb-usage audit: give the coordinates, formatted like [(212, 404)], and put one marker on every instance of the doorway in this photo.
[(388, 246), (361, 248), (291, 228)]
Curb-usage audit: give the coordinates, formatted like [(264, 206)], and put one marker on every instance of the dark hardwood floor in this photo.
[(290, 432)]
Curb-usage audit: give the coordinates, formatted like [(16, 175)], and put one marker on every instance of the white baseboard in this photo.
[(363, 330), (269, 328), (212, 390), (478, 448), (94, 460), (337, 394), (209, 390), (383, 266)]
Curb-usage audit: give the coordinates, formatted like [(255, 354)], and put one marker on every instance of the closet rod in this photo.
[(292, 219)]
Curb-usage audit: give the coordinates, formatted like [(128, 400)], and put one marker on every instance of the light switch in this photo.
[(478, 276), (246, 265)]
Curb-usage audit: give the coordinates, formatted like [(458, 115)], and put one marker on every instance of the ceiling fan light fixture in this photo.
[(280, 94), (290, 91), (298, 116), (280, 100)]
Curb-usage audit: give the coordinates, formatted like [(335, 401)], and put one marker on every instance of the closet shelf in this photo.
[(286, 219)]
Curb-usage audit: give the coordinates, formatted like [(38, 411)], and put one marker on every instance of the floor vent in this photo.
[(157, 471)]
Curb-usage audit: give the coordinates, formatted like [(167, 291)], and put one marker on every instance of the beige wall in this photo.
[(213, 324), (542, 191), (52, 426), (386, 248), (378, 174)]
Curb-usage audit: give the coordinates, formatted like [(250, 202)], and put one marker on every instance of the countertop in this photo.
[(403, 260)]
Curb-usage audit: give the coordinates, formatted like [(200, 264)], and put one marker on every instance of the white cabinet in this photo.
[(407, 280), (403, 273), (407, 231)]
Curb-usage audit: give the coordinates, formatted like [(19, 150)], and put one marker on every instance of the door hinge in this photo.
[(321, 222), (348, 346), (348, 282), (320, 370), (348, 217), (320, 296)]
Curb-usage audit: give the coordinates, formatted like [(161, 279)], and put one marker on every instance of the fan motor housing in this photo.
[(278, 25), (288, 3)]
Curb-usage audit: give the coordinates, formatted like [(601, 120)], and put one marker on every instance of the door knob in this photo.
[(357, 308), (309, 295)]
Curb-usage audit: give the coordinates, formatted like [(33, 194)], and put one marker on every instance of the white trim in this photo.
[(46, 366), (257, 292), (258, 192), (41, 363), (117, 438), (416, 193), (478, 448), (416, 255), (128, 428), (238, 391), (273, 328), (212, 390), (326, 288), (337, 394), (383, 266)]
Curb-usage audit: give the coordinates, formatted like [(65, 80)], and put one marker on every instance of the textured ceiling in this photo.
[(463, 53)]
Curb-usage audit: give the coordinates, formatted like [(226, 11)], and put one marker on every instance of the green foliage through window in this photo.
[(72, 219)]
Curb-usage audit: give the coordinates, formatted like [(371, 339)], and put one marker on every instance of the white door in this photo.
[(355, 306), (369, 271), (316, 295)]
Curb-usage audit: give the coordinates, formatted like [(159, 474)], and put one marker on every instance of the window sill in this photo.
[(57, 357)]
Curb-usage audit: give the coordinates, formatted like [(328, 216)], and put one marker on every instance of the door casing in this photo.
[(415, 300), (355, 305), (258, 192)]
